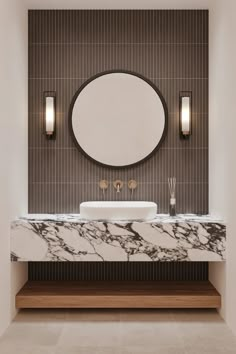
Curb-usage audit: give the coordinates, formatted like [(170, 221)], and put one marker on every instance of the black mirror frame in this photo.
[(94, 77)]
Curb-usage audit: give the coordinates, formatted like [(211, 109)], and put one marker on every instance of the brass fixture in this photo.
[(103, 185), (118, 184), (132, 185)]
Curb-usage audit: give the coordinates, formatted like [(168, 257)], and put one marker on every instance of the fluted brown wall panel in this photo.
[(169, 47), (126, 271)]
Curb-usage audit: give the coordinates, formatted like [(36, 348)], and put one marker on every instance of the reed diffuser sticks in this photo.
[(172, 190)]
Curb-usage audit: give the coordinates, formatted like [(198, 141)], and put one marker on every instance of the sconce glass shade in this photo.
[(50, 113), (185, 114)]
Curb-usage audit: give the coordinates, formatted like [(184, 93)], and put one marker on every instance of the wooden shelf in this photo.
[(55, 294)]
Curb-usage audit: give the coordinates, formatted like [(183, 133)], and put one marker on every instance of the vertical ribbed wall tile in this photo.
[(170, 47), (118, 271)]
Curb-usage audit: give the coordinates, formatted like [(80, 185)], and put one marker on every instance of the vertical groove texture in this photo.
[(118, 271), (169, 47)]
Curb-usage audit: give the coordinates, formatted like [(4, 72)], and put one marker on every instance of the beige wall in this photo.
[(118, 4), (13, 145), (222, 99)]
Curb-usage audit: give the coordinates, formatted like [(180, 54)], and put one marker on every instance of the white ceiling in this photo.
[(118, 4)]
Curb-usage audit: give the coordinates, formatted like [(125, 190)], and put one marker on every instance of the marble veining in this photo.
[(59, 237)]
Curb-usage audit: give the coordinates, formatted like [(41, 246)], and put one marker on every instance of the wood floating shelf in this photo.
[(71, 294)]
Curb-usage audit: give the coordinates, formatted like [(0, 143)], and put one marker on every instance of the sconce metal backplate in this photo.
[(181, 95), (45, 95)]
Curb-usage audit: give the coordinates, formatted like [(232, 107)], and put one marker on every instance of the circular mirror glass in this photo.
[(118, 118)]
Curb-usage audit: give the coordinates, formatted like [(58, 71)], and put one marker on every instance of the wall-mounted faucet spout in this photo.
[(118, 184)]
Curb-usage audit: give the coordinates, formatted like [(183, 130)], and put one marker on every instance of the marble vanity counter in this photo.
[(46, 237)]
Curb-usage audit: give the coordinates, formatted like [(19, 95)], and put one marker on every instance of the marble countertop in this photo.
[(67, 237), (160, 218)]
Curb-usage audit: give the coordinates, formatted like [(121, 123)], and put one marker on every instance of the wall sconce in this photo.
[(185, 113), (50, 114)]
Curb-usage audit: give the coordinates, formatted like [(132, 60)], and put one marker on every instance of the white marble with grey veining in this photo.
[(46, 237)]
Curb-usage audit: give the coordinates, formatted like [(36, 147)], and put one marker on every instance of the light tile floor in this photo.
[(118, 332)]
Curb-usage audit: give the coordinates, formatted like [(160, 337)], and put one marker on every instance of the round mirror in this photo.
[(118, 118)]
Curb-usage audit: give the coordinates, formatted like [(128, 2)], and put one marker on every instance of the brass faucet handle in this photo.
[(103, 184), (132, 184), (118, 184)]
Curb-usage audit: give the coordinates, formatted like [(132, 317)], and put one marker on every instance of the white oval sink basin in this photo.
[(118, 210)]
